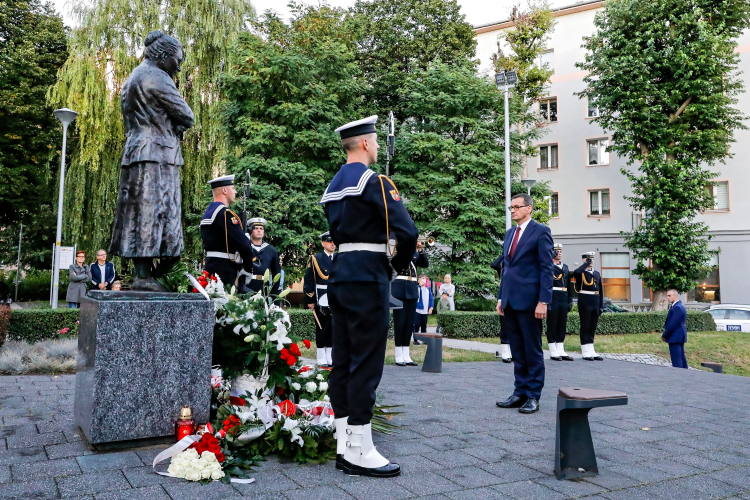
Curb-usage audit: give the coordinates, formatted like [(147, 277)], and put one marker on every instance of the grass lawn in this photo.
[(731, 349), (417, 354)]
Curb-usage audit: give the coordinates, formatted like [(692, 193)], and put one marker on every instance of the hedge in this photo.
[(462, 325), (35, 284), (33, 325), (303, 323)]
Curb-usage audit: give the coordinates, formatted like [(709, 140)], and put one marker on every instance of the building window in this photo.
[(709, 290), (548, 110), (616, 276), (720, 192), (547, 59), (599, 203), (548, 157), (597, 151), (553, 205), (591, 110)]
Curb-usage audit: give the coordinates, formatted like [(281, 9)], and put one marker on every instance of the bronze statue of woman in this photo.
[(148, 220)]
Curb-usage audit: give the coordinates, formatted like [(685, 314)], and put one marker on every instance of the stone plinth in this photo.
[(141, 357)]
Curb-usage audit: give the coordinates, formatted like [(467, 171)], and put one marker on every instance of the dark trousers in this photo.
[(588, 311), (403, 322), (224, 269), (677, 353), (503, 332), (525, 338), (420, 322), (360, 332), (323, 336), (557, 317)]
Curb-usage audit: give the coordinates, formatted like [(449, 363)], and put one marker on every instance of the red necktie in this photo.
[(515, 241)]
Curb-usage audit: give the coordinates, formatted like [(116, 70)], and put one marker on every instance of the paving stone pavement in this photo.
[(454, 442)]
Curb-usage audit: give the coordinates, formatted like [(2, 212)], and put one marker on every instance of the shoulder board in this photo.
[(211, 213), (351, 180)]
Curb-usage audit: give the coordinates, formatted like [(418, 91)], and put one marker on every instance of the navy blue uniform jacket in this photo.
[(407, 290), (527, 277), (675, 329)]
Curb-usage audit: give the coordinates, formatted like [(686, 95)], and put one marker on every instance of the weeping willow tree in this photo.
[(105, 47)]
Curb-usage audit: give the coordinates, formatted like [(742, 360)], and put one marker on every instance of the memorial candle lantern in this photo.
[(185, 426)]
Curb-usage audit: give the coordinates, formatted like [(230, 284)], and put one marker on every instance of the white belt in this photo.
[(223, 255), (560, 289), (324, 287), (406, 278), (251, 276), (589, 293), (363, 247)]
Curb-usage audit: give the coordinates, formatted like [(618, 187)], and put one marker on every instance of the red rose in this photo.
[(307, 343), (295, 349), (234, 400), (213, 278), (220, 457), (205, 273), (287, 408), (279, 391), (290, 361), (284, 354), (195, 290)]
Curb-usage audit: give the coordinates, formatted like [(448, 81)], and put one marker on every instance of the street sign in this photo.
[(499, 79), (511, 77), (67, 257)]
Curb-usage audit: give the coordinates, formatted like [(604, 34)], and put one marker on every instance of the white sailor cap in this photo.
[(558, 246), (588, 255), (326, 236), (257, 221), (359, 127), (224, 180)]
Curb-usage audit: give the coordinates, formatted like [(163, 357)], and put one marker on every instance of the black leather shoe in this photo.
[(339, 461), (507, 360), (531, 406), (598, 358), (512, 402), (589, 359), (411, 363), (390, 470), (418, 342), (555, 358), (400, 364), (566, 358)]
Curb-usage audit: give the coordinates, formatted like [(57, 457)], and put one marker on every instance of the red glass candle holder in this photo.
[(185, 426)]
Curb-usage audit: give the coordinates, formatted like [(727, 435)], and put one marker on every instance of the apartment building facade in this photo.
[(589, 206)]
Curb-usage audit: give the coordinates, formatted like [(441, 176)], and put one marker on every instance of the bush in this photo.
[(35, 284), (4, 320), (474, 304), (33, 325), (464, 325), (303, 323)]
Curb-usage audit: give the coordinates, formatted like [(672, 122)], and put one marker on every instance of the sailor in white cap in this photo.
[(562, 303), (267, 259), (316, 297), (374, 235), (223, 236), (590, 304)]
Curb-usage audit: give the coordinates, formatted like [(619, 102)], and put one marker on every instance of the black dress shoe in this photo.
[(598, 358), (418, 342), (411, 363), (566, 358), (389, 470), (339, 461), (512, 402), (589, 359), (507, 360), (555, 358), (531, 406), (401, 364)]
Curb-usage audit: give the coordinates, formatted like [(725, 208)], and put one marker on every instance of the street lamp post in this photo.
[(506, 79), (66, 117), (529, 183)]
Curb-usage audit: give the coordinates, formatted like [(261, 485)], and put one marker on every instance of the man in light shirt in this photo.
[(102, 271)]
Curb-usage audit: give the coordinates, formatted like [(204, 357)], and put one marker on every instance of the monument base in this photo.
[(141, 357)]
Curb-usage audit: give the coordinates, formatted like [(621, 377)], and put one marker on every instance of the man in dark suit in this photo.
[(675, 330), (102, 271), (523, 299)]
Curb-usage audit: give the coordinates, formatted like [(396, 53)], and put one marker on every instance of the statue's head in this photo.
[(165, 51)]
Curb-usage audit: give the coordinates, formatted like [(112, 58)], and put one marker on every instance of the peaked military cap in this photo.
[(359, 127), (558, 246), (326, 236), (588, 255), (257, 221), (224, 180)]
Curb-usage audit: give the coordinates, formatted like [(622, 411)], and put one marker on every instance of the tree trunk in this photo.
[(660, 301)]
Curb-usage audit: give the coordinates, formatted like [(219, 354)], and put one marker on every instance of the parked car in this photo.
[(731, 317), (609, 306)]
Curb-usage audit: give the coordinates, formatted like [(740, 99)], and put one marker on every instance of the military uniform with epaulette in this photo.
[(224, 239), (374, 235), (562, 302), (406, 289), (319, 268), (267, 258), (590, 304)]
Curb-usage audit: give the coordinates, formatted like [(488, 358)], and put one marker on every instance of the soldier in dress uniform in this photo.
[(590, 304), (251, 275), (316, 297), (374, 235), (223, 237), (405, 288), (562, 303)]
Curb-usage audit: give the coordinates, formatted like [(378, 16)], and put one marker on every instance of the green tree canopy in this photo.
[(104, 49), (291, 86), (663, 75), (33, 46)]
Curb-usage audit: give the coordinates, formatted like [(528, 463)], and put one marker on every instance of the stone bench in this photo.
[(574, 448), (433, 358)]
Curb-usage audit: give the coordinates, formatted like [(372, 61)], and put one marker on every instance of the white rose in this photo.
[(208, 456), (296, 386), (326, 398), (192, 475), (197, 464), (214, 466), (310, 387), (189, 454), (217, 474), (306, 374), (319, 377), (174, 470), (205, 474), (324, 386)]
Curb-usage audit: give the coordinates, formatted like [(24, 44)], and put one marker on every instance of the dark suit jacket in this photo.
[(675, 328), (408, 290), (527, 277), (96, 275)]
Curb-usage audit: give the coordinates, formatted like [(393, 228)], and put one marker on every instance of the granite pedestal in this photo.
[(141, 357)]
